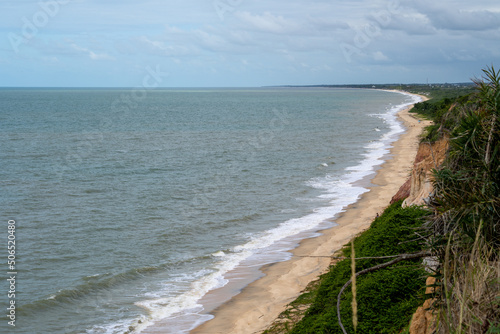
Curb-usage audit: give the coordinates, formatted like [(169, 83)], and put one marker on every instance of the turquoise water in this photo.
[(130, 206)]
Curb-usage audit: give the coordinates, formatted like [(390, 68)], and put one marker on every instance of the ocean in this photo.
[(129, 205)]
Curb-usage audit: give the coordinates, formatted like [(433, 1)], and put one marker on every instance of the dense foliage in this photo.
[(444, 114), (468, 184), (465, 231), (440, 92), (386, 298)]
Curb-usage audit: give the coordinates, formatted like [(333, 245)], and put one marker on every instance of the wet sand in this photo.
[(260, 303)]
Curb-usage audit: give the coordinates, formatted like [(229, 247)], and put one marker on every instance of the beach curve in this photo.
[(261, 302)]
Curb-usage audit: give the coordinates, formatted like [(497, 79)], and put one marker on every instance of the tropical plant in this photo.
[(466, 225)]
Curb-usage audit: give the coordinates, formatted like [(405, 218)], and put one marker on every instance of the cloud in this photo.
[(328, 24), (412, 24), (466, 20), (143, 44), (450, 17), (268, 23), (92, 55), (379, 56)]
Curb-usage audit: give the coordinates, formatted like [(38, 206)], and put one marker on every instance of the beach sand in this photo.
[(261, 302)]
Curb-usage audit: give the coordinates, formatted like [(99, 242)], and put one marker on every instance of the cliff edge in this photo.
[(417, 189)]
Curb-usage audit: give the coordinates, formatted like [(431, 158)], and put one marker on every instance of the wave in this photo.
[(94, 286)]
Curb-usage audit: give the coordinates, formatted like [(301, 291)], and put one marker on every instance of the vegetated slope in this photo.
[(386, 298)]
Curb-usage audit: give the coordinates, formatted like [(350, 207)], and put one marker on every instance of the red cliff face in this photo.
[(403, 192), (419, 186)]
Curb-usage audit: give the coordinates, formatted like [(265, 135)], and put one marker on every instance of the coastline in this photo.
[(260, 303)]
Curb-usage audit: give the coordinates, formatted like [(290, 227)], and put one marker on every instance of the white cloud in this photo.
[(451, 16), (379, 56), (412, 24), (92, 55), (268, 23), (163, 48)]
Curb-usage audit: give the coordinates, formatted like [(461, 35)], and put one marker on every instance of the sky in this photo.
[(245, 43)]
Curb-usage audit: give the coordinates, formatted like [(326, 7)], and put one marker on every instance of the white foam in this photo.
[(121, 326), (219, 254)]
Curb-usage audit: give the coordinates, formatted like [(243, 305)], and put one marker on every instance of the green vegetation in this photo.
[(443, 113), (465, 231), (386, 298), (442, 91)]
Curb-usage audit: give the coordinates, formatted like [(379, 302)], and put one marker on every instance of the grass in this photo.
[(472, 286)]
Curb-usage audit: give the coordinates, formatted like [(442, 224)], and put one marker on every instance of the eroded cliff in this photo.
[(418, 187)]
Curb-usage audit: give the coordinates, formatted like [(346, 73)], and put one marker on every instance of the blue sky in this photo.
[(245, 43)]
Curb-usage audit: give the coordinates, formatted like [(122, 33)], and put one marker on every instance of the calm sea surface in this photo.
[(129, 206)]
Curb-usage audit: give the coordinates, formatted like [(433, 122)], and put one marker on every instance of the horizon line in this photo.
[(358, 85)]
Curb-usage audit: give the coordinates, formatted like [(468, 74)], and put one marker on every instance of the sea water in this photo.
[(130, 206)]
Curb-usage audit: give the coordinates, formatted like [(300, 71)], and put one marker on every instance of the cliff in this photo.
[(418, 187)]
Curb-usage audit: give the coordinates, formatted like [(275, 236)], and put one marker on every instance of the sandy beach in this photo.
[(260, 303)]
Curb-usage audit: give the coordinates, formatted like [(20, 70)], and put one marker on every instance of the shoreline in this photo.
[(256, 306)]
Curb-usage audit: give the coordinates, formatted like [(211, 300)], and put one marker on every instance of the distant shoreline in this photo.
[(378, 86)]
